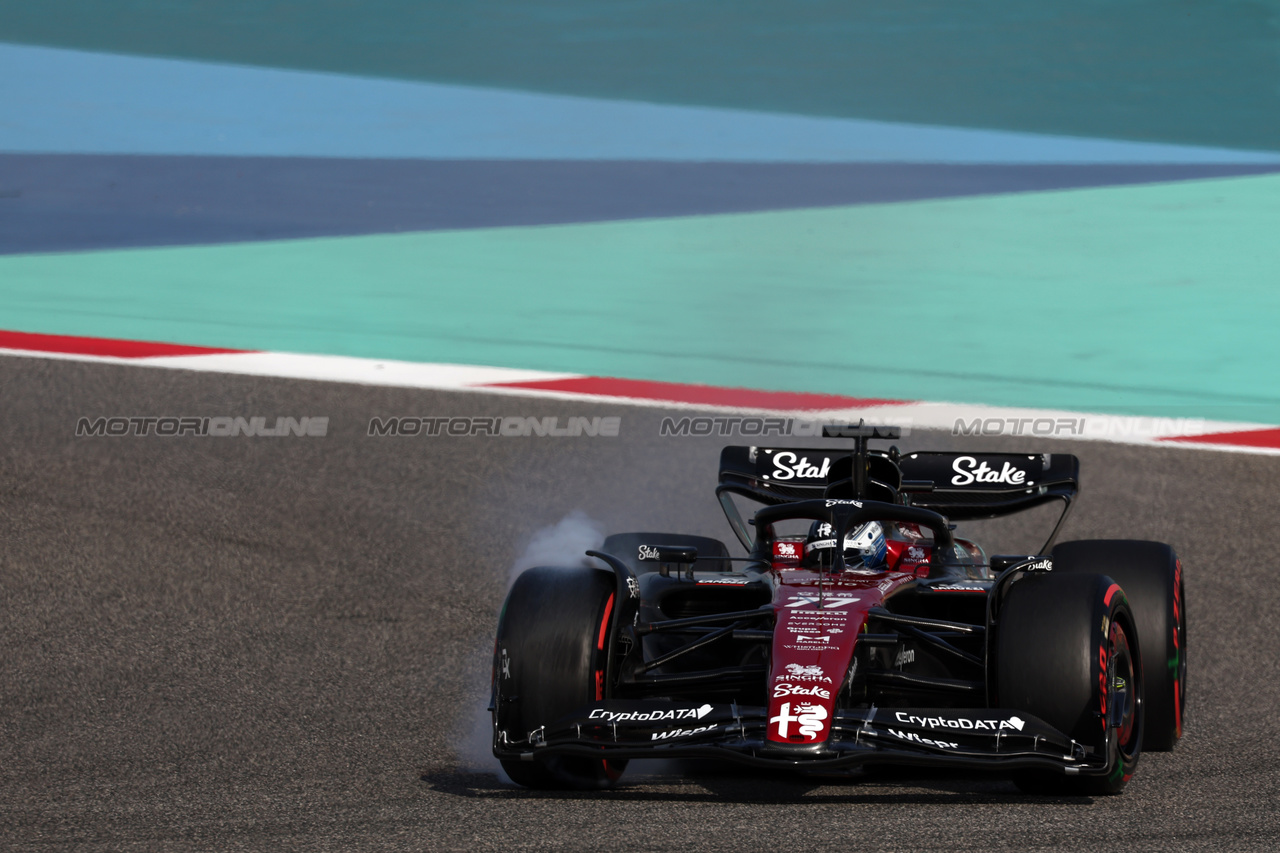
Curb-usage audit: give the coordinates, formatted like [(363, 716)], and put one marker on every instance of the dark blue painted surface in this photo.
[(75, 202)]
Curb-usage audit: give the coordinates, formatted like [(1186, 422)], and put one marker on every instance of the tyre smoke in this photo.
[(561, 544)]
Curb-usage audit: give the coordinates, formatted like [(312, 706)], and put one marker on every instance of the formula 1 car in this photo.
[(876, 637)]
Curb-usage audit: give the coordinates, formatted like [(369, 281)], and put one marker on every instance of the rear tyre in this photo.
[(549, 661), (1151, 576), (1067, 653)]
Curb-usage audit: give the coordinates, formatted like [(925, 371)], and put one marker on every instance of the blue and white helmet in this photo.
[(867, 541), (864, 546)]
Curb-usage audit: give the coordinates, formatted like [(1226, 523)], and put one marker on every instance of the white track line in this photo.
[(958, 418)]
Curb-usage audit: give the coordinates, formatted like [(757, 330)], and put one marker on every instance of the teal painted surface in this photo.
[(1143, 300), (78, 102), (1191, 72)]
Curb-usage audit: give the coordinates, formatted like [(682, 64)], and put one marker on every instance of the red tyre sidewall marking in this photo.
[(1177, 645), (1102, 679), (604, 628), (1102, 651), (611, 773), (604, 623)]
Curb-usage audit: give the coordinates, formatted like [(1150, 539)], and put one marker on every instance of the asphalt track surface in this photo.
[(282, 643)]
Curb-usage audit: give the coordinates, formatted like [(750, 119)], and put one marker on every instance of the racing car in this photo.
[(858, 630)]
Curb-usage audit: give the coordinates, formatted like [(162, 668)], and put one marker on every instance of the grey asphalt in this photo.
[(276, 643), (72, 202)]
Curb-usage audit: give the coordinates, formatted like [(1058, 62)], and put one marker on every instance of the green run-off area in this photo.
[(1143, 300)]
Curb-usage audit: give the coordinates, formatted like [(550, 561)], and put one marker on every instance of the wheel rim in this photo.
[(1123, 685)]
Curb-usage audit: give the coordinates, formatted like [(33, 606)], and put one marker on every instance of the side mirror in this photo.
[(666, 554), (1000, 562)]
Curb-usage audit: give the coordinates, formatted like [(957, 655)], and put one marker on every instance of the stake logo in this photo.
[(780, 690), (969, 471), (786, 467)]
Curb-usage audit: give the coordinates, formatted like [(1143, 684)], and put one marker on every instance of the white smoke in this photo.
[(561, 544)]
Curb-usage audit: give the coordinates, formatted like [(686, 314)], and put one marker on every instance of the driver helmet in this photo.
[(863, 546)]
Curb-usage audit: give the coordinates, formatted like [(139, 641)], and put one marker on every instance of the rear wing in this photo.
[(783, 474), (960, 486), (969, 486)]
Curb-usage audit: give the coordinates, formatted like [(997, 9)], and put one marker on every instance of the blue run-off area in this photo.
[(144, 124)]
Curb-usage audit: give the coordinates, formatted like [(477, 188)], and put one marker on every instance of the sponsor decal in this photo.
[(969, 471), (1045, 565), (915, 553), (649, 716), (506, 664), (633, 587), (801, 629), (958, 588), (807, 717), (780, 690), (904, 656), (960, 723), (787, 467), (724, 582), (803, 639), (680, 733), (839, 502), (800, 672), (889, 584), (648, 553), (915, 738), (909, 530), (826, 603), (786, 549)]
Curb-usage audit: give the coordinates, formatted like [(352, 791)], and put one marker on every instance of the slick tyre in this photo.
[(549, 660), (1066, 652), (1151, 576)]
